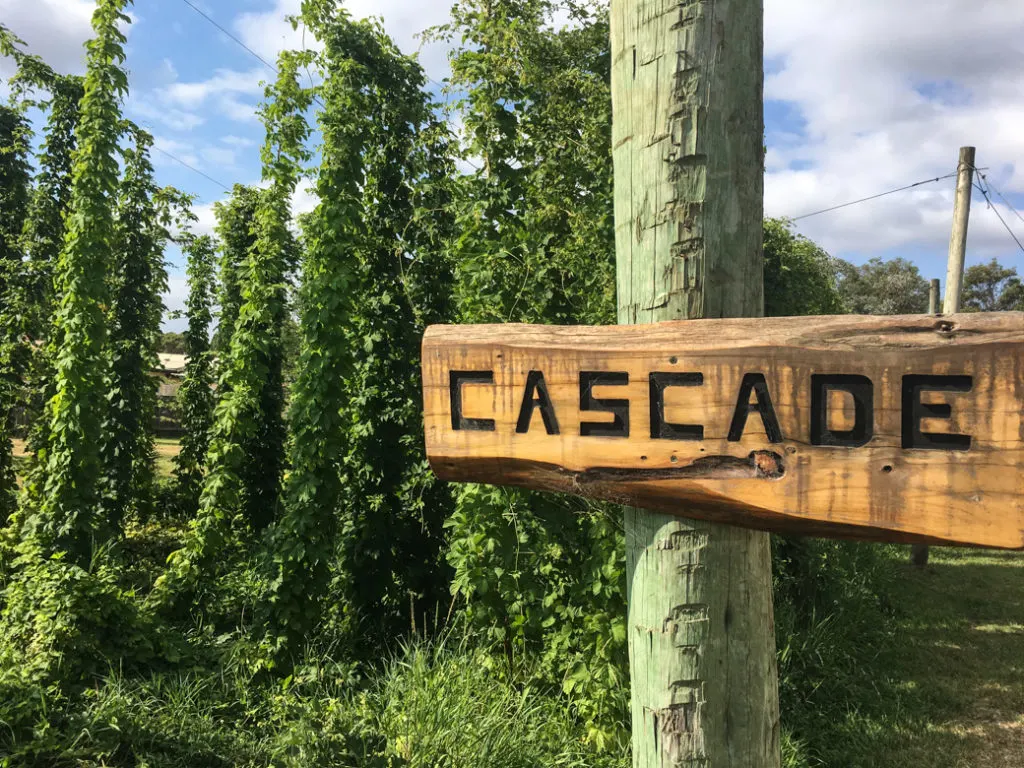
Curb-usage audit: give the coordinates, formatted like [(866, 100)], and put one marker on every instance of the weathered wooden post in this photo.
[(958, 236), (688, 145), (934, 290)]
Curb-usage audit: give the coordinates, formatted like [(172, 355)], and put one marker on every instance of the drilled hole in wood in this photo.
[(674, 459), (887, 469), (673, 360)]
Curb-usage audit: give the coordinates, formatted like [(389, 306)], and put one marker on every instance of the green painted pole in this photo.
[(688, 130)]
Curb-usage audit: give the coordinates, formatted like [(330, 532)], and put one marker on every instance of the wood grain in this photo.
[(880, 491)]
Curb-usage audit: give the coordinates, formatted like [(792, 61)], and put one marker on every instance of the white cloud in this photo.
[(174, 301), (305, 198), (886, 94), (183, 106), (55, 30), (224, 81), (169, 117), (222, 158), (268, 33), (206, 220), (239, 142), (237, 110)]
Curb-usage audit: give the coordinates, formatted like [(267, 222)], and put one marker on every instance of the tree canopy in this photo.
[(893, 287)]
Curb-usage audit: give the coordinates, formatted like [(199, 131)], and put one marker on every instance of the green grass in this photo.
[(430, 706), (166, 450), (947, 689)]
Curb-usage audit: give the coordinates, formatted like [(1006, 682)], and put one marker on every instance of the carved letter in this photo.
[(660, 429), (619, 426), (535, 385), (756, 384), (863, 392), (914, 411), (455, 381)]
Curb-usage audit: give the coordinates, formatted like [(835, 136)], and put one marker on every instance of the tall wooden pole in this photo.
[(688, 132), (933, 296), (958, 238)]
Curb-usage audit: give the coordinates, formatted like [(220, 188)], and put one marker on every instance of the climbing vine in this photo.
[(235, 218), (138, 280), (542, 575), (43, 239), (67, 519), (392, 509), (196, 394), (247, 442), (62, 597), (14, 196), (356, 410)]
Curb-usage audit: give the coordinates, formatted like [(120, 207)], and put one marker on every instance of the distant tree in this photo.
[(992, 288), (800, 277), (172, 343), (892, 287), (1013, 297)]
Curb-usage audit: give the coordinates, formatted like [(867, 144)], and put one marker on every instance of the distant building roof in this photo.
[(172, 363)]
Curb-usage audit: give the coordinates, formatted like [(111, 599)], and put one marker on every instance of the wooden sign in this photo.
[(897, 428)]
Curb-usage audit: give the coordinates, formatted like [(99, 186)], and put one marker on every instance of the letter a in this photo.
[(536, 396), (754, 383)]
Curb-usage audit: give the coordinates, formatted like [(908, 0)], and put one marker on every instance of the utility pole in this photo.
[(687, 83), (958, 238)]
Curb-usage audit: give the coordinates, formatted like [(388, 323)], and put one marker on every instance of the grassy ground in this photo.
[(954, 697), (166, 450), (20, 459)]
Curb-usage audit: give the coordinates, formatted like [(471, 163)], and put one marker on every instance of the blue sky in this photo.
[(860, 98)]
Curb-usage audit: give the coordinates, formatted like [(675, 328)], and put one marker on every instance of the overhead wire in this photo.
[(872, 197), (229, 34), (984, 191), (992, 186), (192, 168)]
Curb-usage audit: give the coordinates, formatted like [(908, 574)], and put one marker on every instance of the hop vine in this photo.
[(196, 394), (247, 442), (14, 197), (67, 519), (139, 280)]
